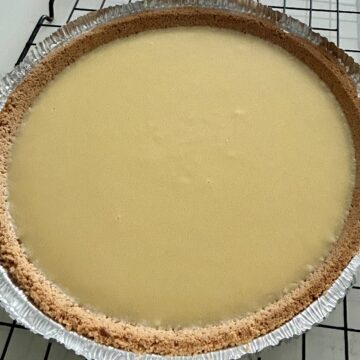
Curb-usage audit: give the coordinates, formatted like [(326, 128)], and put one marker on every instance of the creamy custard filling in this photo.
[(181, 177)]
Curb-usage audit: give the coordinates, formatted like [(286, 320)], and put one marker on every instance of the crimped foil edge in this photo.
[(21, 309)]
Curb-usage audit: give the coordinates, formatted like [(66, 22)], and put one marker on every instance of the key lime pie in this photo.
[(180, 189)]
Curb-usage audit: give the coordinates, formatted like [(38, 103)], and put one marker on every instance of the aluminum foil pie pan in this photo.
[(15, 301)]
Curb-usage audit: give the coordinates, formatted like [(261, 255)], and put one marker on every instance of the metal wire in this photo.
[(45, 21), (40, 22)]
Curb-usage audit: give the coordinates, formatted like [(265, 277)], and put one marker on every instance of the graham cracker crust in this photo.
[(186, 341)]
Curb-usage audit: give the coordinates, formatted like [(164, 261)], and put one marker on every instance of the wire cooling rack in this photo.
[(338, 337)]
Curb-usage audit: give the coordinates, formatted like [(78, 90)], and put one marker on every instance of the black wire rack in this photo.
[(340, 334)]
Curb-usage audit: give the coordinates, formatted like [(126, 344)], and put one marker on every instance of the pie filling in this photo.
[(181, 177)]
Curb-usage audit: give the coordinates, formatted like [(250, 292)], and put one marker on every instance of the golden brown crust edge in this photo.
[(55, 304)]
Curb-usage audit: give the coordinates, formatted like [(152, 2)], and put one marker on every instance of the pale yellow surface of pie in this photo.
[(181, 177)]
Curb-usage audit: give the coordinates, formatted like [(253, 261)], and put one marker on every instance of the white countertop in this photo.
[(18, 18)]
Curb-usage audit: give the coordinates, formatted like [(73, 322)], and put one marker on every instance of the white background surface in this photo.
[(18, 18)]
